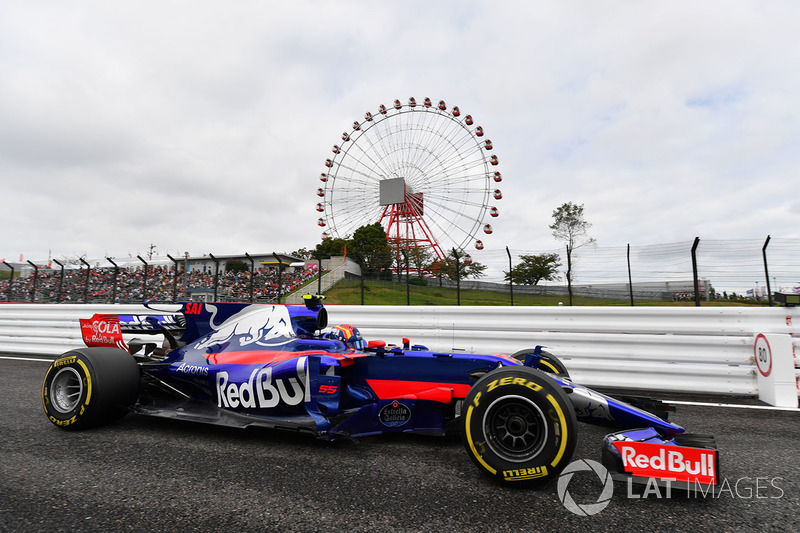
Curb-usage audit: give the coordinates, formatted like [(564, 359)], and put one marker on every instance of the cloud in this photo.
[(204, 126)]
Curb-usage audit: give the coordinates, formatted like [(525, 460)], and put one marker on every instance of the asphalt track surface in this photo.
[(147, 474)]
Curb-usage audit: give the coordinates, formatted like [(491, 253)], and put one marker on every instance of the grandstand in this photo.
[(258, 278)]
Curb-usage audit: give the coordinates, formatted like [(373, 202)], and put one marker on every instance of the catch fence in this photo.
[(751, 270)]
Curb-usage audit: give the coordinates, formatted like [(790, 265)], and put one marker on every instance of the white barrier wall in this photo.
[(51, 329), (681, 349), (677, 349)]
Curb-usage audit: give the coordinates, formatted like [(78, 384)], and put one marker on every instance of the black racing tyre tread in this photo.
[(548, 362), (104, 383), (534, 408)]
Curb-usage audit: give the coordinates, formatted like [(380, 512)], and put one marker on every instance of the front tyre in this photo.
[(89, 387), (519, 426), (548, 362)]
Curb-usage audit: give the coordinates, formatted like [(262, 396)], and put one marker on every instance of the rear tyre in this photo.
[(519, 426), (90, 387)]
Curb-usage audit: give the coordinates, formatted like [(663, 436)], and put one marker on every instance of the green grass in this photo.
[(387, 293)]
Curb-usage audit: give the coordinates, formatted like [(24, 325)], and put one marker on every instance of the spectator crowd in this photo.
[(128, 285)]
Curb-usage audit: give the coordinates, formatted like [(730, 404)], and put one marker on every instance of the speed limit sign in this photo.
[(775, 379), (763, 355)]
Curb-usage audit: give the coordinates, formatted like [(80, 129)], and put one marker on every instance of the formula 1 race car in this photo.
[(280, 366)]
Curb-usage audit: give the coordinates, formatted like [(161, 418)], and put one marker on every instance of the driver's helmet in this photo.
[(349, 335)]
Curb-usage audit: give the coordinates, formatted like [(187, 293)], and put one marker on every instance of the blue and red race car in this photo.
[(280, 366)]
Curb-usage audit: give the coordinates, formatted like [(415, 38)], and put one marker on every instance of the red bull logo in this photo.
[(679, 463), (262, 390)]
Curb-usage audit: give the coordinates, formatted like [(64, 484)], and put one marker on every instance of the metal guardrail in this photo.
[(683, 349), (51, 329)]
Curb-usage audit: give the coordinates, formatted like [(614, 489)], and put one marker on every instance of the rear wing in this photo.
[(151, 323), (106, 329)]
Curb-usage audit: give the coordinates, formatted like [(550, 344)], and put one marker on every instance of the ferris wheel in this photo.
[(425, 172)]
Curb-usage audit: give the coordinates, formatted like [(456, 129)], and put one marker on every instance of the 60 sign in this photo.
[(763, 355)]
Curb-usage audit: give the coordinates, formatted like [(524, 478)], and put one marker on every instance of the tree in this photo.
[(534, 268), (370, 248), (331, 247), (570, 226), (419, 257), (455, 269), (302, 253), (447, 268)]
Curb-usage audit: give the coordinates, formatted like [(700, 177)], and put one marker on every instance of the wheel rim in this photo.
[(66, 390), (515, 427)]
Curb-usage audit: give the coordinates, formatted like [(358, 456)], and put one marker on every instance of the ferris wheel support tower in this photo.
[(403, 213)]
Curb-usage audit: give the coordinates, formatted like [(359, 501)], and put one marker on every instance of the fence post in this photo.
[(35, 280), (280, 275), (86, 285), (144, 280), (510, 276), (114, 282), (10, 281), (361, 263), (319, 272), (216, 274), (766, 270), (186, 280), (694, 272), (408, 279), (252, 276), (458, 277), (362, 286), (174, 278), (569, 274), (630, 279), (60, 281)]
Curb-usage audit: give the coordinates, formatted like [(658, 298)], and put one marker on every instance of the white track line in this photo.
[(739, 406), (27, 359)]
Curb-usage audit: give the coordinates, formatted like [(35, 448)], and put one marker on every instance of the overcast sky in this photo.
[(203, 126)]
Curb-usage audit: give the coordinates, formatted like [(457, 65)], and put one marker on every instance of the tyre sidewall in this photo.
[(76, 417), (551, 364), (110, 385), (521, 386), (548, 362)]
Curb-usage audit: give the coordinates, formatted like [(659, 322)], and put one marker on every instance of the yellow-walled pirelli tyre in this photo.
[(90, 386), (519, 427), (548, 362)]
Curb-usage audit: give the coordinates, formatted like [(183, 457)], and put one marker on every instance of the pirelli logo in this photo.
[(524, 473), (65, 361)]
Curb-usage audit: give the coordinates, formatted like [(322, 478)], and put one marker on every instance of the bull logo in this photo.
[(265, 325), (590, 405)]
